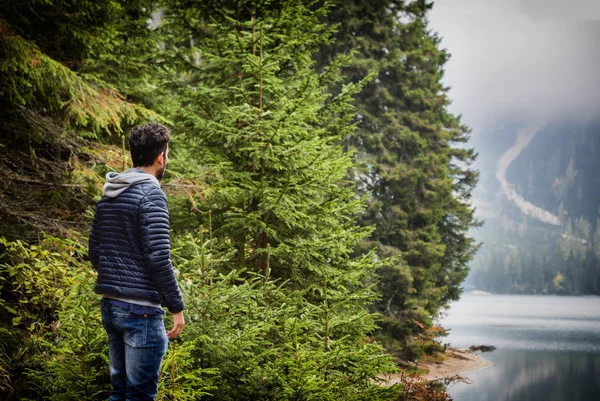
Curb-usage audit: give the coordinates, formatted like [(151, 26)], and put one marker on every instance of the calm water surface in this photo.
[(548, 347)]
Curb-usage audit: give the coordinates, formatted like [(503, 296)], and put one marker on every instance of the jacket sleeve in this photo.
[(93, 242), (153, 220)]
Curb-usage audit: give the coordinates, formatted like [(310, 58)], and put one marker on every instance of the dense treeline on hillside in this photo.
[(319, 201), (558, 172)]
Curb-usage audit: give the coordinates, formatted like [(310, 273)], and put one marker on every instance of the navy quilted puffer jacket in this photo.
[(129, 243)]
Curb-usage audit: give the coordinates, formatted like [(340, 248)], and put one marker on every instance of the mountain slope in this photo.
[(543, 238)]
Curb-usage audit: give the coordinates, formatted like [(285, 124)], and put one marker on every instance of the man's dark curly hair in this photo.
[(146, 142)]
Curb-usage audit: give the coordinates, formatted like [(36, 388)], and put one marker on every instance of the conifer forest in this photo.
[(319, 191)]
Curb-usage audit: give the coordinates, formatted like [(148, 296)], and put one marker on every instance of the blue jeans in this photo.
[(137, 344)]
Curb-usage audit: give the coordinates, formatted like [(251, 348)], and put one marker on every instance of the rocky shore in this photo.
[(455, 362)]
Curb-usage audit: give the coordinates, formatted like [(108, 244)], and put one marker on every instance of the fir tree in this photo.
[(262, 120), (262, 123), (415, 164)]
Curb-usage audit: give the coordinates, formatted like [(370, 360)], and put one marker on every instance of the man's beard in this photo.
[(160, 173)]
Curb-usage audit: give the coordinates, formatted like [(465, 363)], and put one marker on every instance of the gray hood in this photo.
[(117, 183)]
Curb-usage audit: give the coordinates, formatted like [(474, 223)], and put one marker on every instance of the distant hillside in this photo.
[(560, 169), (556, 172)]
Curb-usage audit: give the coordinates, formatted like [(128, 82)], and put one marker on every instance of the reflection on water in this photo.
[(548, 347)]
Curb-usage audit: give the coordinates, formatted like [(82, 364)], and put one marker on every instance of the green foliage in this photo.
[(267, 128), (77, 367), (180, 377), (37, 87), (415, 165), (266, 340), (526, 256), (65, 29), (50, 337), (244, 336), (53, 103), (33, 279), (278, 288)]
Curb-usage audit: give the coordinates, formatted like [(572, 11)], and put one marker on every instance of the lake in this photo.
[(548, 347)]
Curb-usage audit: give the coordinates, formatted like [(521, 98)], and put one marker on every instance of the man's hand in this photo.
[(178, 323)]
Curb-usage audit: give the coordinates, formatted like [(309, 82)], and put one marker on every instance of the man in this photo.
[(130, 249)]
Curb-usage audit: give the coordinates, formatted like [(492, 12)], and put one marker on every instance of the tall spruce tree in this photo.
[(255, 113), (266, 131), (415, 163)]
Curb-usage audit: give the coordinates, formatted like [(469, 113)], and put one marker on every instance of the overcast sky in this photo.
[(525, 56)]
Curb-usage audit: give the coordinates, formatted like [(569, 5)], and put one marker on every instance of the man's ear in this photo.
[(160, 159)]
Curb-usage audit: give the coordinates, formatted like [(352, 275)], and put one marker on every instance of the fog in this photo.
[(520, 56)]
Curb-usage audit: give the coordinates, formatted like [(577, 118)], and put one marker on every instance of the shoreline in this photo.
[(456, 362)]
